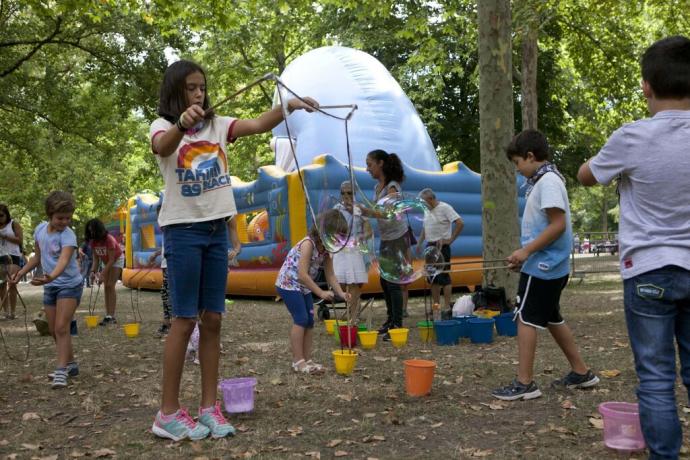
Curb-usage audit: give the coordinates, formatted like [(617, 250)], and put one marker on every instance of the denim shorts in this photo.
[(51, 294), (197, 258), (300, 306)]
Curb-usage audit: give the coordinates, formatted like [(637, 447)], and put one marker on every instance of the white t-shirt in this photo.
[(652, 158), (197, 180), (7, 247), (438, 222)]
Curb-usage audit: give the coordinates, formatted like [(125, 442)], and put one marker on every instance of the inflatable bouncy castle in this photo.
[(273, 210)]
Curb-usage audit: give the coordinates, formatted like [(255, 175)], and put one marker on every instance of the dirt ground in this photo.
[(107, 411)]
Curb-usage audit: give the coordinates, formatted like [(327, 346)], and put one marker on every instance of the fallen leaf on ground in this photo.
[(609, 374), (48, 457), (436, 425), (340, 453), (494, 405), (373, 438), (99, 453), (334, 442), (529, 422), (347, 398), (76, 454), (276, 381), (30, 416), (31, 446), (568, 404), (596, 423), (313, 454)]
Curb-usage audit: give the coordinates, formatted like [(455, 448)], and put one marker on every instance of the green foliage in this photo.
[(79, 80)]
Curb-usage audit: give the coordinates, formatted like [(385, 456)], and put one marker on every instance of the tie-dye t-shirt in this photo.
[(288, 277), (196, 175)]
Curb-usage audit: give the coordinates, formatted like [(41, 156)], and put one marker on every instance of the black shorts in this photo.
[(10, 260), (538, 300), (442, 279)]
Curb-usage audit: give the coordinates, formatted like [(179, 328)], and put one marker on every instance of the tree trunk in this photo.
[(499, 192), (528, 82)]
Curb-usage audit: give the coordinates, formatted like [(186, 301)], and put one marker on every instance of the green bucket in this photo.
[(362, 327), (426, 330)]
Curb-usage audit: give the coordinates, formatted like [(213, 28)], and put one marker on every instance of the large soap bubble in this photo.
[(396, 258)]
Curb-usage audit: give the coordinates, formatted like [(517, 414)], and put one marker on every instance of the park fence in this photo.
[(594, 252)]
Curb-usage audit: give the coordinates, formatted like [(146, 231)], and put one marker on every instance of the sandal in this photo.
[(301, 366), (315, 366)]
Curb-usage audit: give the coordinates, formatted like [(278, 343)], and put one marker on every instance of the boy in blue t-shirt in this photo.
[(543, 260), (56, 252), (651, 158)]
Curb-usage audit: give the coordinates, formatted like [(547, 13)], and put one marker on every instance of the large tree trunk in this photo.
[(528, 82), (499, 194)]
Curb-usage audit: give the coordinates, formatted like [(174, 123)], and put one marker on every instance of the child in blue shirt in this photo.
[(56, 252), (546, 239), (651, 158)]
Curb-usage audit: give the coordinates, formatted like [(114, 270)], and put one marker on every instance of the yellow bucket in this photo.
[(345, 361), (426, 333), (329, 325), (367, 339), (399, 336), (486, 313), (131, 330), (91, 321)]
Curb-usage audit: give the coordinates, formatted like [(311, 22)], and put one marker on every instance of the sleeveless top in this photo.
[(288, 277), (8, 248)]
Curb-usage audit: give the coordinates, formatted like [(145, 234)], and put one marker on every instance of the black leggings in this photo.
[(393, 294)]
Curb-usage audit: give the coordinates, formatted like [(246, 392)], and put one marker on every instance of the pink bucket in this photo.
[(238, 394), (622, 429)]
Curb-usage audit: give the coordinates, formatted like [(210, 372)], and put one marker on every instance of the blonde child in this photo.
[(295, 285), (349, 265), (56, 252)]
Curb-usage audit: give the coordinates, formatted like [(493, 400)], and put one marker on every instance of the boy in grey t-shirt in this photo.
[(651, 158)]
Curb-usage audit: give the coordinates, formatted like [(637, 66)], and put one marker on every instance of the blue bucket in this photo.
[(481, 330), (446, 332), (464, 325), (505, 324)]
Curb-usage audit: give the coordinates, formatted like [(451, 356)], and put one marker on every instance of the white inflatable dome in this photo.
[(385, 118)]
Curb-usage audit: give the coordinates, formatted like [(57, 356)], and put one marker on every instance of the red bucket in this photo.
[(348, 336)]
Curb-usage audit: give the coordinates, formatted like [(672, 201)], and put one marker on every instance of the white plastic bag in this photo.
[(463, 306)]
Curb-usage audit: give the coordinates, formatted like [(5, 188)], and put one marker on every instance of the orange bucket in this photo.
[(419, 374)]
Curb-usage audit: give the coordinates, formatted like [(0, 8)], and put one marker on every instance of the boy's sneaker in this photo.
[(574, 380), (214, 420), (108, 320), (59, 378), (178, 426), (72, 370), (517, 390)]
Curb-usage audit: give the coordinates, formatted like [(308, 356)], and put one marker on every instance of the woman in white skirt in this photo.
[(349, 264)]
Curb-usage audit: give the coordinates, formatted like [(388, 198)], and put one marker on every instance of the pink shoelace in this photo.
[(217, 414), (184, 417)]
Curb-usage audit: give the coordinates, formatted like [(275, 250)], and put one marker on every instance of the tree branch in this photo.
[(38, 46)]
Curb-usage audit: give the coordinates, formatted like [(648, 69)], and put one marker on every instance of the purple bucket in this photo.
[(238, 394)]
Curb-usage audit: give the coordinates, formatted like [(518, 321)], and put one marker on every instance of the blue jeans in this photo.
[(657, 310), (197, 257)]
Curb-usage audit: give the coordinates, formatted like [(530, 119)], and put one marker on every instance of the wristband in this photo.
[(181, 128)]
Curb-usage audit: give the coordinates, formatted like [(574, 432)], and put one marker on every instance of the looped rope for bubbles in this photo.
[(353, 107), (26, 325)]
